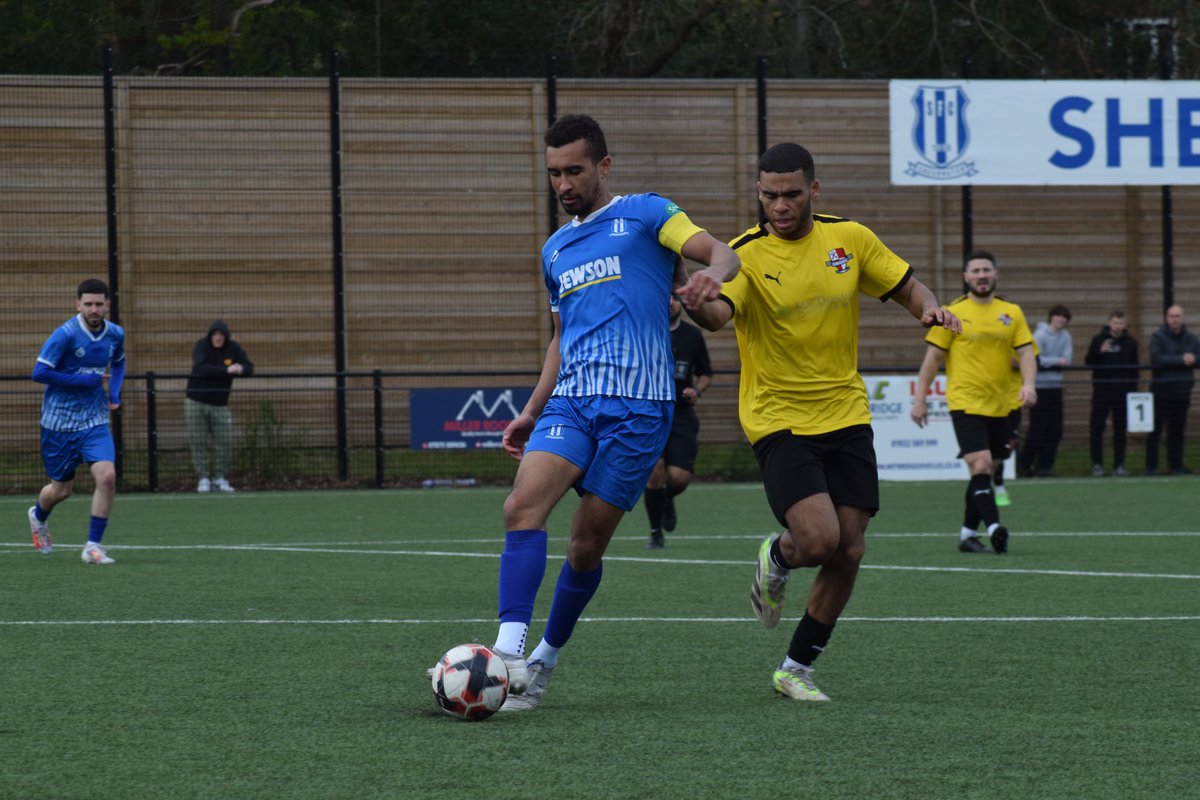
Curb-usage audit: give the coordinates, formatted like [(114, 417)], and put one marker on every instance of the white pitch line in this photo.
[(656, 560), (619, 620), (499, 540)]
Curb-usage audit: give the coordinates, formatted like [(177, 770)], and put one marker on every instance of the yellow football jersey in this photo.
[(979, 369), (795, 307)]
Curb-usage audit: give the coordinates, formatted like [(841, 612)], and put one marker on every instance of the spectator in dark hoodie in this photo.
[(1173, 354), (1113, 354), (216, 360)]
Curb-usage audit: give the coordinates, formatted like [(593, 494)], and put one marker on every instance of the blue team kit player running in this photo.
[(600, 414), (83, 367)]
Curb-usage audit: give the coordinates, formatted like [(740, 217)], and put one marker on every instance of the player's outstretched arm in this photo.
[(721, 265), (920, 302)]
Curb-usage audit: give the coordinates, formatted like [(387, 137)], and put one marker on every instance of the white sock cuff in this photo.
[(511, 638)]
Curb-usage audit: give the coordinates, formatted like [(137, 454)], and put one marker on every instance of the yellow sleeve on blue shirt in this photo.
[(677, 230)]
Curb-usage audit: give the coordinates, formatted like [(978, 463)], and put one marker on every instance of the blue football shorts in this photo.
[(614, 440), (63, 451)]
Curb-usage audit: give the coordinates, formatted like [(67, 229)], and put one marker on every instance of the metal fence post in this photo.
[(761, 99), (339, 265), (551, 118), (377, 391), (110, 194), (151, 432)]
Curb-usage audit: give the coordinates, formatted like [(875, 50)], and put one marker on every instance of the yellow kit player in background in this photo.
[(979, 390)]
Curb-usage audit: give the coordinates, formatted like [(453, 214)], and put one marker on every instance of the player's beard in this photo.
[(973, 290)]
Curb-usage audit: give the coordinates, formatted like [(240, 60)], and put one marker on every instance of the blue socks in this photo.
[(522, 567), (96, 529), (571, 595), (39, 512)]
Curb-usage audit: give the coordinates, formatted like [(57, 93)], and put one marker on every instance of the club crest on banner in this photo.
[(940, 133)]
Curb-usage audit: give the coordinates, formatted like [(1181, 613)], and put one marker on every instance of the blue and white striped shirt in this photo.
[(610, 281), (73, 349)]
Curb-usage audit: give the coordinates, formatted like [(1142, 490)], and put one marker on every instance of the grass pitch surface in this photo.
[(273, 646)]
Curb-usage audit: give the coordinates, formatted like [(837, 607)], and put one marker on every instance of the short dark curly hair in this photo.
[(574, 127), (92, 286), (788, 157)]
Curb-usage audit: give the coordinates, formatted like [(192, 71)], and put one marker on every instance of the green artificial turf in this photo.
[(273, 646)]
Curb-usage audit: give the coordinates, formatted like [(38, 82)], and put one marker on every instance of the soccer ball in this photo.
[(470, 682)]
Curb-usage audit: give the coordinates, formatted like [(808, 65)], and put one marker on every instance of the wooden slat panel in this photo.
[(225, 198)]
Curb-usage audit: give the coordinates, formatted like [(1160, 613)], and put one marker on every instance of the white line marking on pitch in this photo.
[(651, 560)]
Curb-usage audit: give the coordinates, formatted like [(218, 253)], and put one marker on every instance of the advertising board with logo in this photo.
[(905, 452), (462, 419), (1100, 133)]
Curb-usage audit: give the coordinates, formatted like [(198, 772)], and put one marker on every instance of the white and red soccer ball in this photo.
[(470, 682)]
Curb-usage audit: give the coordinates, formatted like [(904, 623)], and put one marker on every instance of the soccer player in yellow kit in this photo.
[(979, 389), (801, 401)]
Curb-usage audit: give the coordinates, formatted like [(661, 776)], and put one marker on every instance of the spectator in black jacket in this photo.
[(1114, 355), (216, 360), (1173, 353)]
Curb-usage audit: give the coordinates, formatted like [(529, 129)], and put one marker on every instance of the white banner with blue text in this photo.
[(1098, 133)]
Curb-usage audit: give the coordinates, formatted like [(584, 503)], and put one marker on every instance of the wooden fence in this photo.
[(224, 200)]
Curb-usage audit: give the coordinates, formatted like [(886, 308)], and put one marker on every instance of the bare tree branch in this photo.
[(237, 15)]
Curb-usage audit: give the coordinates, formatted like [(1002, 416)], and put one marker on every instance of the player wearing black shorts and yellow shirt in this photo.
[(801, 401), (979, 390)]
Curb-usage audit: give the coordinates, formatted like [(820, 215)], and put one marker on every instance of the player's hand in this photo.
[(942, 318), (700, 289), (1028, 397), (516, 435), (113, 406), (920, 412)]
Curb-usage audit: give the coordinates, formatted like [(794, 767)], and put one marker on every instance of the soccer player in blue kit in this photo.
[(83, 367), (600, 414)]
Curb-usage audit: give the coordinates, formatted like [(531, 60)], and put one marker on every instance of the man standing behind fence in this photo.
[(216, 360), (1113, 355), (1054, 346), (83, 367), (1174, 351)]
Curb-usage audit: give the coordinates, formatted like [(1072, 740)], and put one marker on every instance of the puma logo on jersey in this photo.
[(773, 277)]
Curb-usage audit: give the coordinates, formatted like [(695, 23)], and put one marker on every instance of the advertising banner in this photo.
[(461, 419), (905, 452), (1069, 133)]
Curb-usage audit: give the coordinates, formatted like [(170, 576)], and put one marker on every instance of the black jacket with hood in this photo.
[(210, 380), (1122, 353)]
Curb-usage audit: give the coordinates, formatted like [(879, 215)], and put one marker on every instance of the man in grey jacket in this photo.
[(1173, 353), (1046, 418)]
